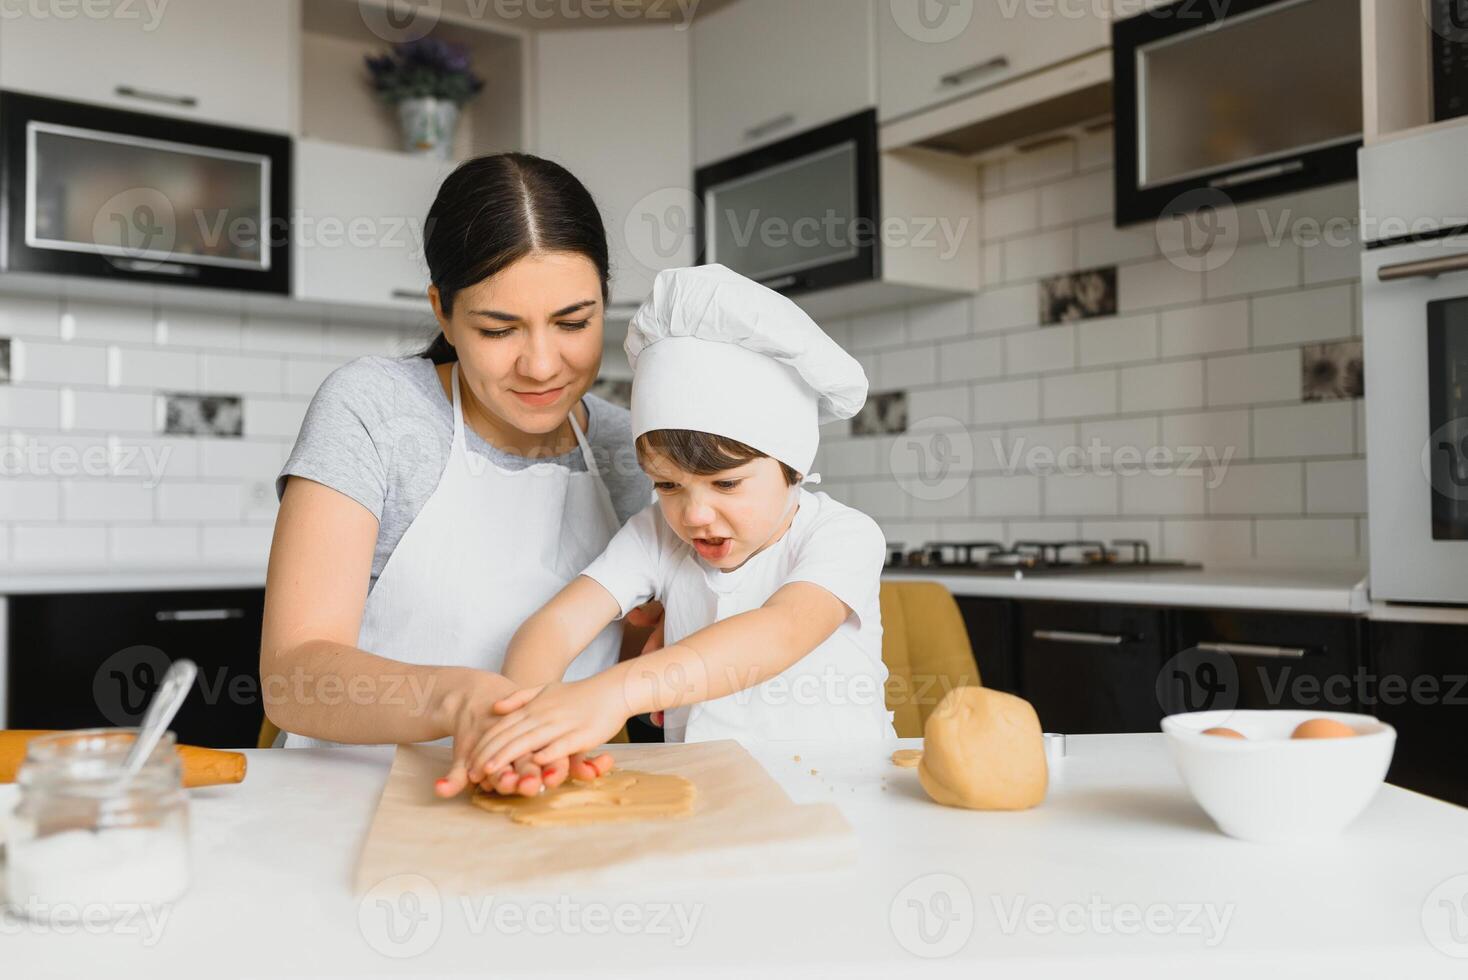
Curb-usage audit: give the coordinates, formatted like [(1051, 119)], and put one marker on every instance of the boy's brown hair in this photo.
[(703, 453)]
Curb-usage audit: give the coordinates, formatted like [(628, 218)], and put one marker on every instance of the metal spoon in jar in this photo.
[(165, 704)]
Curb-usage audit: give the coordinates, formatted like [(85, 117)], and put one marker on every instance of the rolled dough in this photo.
[(623, 794), (984, 750)]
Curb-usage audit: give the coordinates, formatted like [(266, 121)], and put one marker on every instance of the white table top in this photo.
[(1339, 589), (1069, 887)]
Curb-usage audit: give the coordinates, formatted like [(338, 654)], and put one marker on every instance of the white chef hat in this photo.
[(716, 352)]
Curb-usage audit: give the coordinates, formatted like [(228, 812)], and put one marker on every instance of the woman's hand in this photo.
[(549, 723), (464, 708)]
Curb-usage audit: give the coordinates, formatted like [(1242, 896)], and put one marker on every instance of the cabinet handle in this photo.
[(1426, 268), (196, 615), (1252, 650), (128, 92), (1258, 174), (409, 294), (954, 78), (769, 126), (1090, 639)]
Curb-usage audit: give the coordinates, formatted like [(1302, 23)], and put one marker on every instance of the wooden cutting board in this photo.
[(742, 823)]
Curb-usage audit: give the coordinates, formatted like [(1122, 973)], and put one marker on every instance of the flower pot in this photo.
[(428, 126)]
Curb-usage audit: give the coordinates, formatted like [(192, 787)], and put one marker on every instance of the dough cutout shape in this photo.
[(983, 749), (622, 794), (907, 758)]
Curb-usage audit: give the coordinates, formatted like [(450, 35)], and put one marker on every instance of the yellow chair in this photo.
[(927, 651)]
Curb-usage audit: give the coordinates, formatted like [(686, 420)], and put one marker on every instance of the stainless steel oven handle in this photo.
[(955, 78), (1089, 639), (197, 615), (769, 126), (1252, 650), (128, 92), (1424, 268)]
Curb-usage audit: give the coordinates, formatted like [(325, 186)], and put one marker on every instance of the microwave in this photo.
[(1239, 100), (798, 215), (107, 193)]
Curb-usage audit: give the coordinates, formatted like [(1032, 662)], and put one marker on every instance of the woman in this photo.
[(432, 503)]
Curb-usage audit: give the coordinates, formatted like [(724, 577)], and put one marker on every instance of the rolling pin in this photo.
[(201, 766)]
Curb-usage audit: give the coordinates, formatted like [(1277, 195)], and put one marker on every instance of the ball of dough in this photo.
[(983, 750)]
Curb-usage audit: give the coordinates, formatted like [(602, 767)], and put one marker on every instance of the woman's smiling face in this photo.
[(529, 341)]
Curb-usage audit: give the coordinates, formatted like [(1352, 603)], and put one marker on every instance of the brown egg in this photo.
[(1223, 732), (1323, 728)]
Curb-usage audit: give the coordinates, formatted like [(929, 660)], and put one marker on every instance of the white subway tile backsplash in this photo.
[(1242, 379), (1335, 486), (1021, 442), (153, 546), (106, 500), (1123, 530), (186, 327), (142, 367), (41, 362), (27, 316), (1149, 285), (938, 405), (1015, 495), (1006, 401), (247, 544), (1256, 268), (881, 329), (1042, 349), (1102, 243), (1209, 540), (1219, 434), (1077, 199), (228, 374), (1307, 429), (283, 336), (349, 340), (1333, 262), (906, 366), (880, 499), (241, 459), (1306, 540), (1303, 317), (1162, 493), (939, 321), (1043, 163), (1095, 148), (1080, 495), (849, 457), (1090, 393), (111, 322), (276, 417), (1116, 340), (114, 411), (1258, 488), (1036, 256), (1007, 307), (1130, 434), (24, 499), (971, 360), (1205, 329), (1008, 215), (30, 408), (1162, 387), (1043, 530), (68, 545), (200, 502)]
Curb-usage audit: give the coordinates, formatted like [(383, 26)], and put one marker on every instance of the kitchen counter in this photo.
[(1323, 589), (1118, 874), (53, 580)]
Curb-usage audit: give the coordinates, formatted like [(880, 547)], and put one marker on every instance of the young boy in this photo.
[(770, 592)]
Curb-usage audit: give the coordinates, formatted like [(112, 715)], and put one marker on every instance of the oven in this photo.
[(1415, 325), (107, 193)]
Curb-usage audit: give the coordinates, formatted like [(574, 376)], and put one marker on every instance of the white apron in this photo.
[(814, 699), (489, 547)]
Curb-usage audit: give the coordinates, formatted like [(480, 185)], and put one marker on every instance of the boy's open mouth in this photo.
[(713, 549)]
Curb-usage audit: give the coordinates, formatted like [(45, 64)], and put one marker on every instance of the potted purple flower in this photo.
[(428, 80)]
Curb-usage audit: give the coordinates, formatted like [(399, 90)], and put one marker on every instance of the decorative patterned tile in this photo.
[(203, 415), (1333, 371), (885, 413), (1078, 295), (4, 360)]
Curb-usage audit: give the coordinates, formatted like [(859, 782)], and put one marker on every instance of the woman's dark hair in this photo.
[(703, 453), (493, 211)]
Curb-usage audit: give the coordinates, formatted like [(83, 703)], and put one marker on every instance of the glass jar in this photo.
[(83, 844)]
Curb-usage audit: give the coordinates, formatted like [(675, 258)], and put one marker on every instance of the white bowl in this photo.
[(1268, 787)]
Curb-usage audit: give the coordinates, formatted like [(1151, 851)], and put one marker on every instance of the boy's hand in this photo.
[(550, 723)]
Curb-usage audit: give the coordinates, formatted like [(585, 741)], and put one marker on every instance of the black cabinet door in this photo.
[(78, 661), (1091, 668), (990, 625), (1231, 658), (1419, 685)]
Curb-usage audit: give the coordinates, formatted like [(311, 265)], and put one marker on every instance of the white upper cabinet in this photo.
[(229, 62), (931, 52), (767, 69), (359, 233), (627, 136)]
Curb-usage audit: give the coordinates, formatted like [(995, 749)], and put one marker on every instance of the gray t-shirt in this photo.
[(379, 430)]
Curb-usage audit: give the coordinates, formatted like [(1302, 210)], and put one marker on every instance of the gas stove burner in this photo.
[(1030, 557)]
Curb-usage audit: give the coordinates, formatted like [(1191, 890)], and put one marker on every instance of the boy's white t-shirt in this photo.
[(835, 691)]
